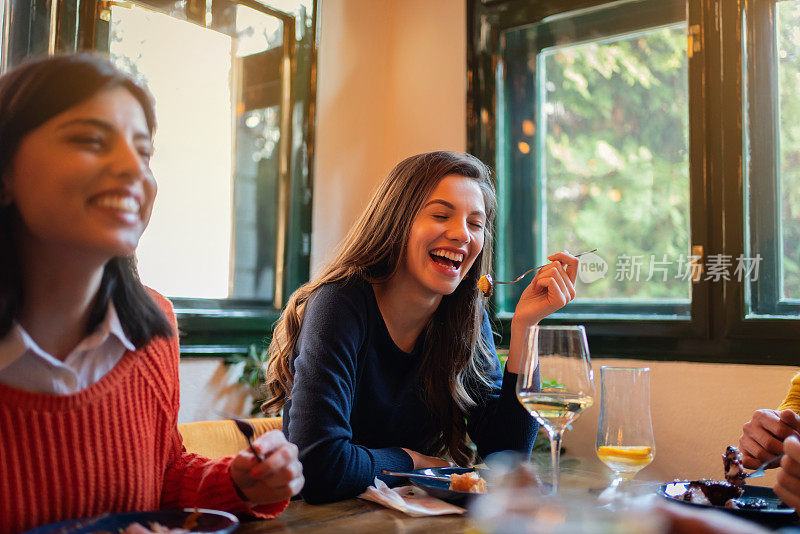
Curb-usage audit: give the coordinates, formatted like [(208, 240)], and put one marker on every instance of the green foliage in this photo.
[(613, 121), (616, 162), (789, 80), (254, 374), (503, 357), (552, 384), (542, 442)]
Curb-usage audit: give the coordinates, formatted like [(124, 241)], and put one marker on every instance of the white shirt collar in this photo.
[(17, 341), (109, 326)]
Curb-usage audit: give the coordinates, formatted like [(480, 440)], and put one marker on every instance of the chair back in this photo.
[(222, 438)]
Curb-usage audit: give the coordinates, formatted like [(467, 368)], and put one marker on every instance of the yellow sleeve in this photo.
[(792, 400)]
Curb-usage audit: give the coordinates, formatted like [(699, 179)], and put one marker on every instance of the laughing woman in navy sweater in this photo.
[(386, 359)]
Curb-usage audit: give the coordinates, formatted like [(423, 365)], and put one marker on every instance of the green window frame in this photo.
[(763, 298), (723, 40), (211, 327), (5, 20)]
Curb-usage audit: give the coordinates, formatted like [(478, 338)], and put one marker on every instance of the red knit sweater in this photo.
[(112, 447)]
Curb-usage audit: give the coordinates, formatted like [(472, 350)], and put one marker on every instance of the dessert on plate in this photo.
[(725, 493)]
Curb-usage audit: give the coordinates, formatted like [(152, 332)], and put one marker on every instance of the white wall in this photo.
[(697, 410), (210, 391), (352, 128), (392, 83)]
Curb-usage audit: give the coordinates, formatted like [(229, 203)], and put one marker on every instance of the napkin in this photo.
[(408, 499)]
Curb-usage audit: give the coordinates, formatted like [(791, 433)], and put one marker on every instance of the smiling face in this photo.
[(82, 179), (446, 236)]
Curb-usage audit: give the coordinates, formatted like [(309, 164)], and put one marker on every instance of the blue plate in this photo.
[(775, 514), (208, 521), (441, 489)]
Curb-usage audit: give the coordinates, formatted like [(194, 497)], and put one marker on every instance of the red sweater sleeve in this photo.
[(191, 480)]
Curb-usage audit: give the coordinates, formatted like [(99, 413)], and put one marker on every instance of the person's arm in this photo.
[(763, 435), (194, 481), (502, 423), (276, 477), (325, 380), (551, 289), (792, 400), (499, 422), (787, 485)]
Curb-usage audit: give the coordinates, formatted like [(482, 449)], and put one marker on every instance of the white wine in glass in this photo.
[(625, 433), (555, 382)]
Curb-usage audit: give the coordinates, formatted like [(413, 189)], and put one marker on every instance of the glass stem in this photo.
[(555, 454)]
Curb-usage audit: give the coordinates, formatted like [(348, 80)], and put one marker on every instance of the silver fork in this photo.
[(760, 471), (414, 475), (248, 432), (486, 282)]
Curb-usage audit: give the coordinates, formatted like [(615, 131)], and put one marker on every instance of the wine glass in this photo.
[(559, 355), (625, 433)]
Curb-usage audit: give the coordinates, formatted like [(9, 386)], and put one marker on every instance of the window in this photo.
[(217, 151), (772, 151), (232, 81), (613, 125), (601, 153), (788, 66), (4, 7)]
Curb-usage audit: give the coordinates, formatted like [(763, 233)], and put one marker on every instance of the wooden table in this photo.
[(352, 516), (358, 516)]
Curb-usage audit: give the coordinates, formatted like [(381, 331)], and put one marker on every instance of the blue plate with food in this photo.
[(756, 503), (456, 486), (733, 495), (158, 522)]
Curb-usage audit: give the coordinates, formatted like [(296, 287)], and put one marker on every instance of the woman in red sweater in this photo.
[(88, 355)]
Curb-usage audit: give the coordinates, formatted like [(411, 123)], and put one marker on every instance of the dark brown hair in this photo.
[(30, 95), (455, 357)]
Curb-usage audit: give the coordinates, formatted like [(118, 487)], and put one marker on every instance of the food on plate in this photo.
[(191, 521), (719, 493), (158, 528), (753, 504), (470, 482), (714, 492), (486, 285), (734, 471), (723, 493), (154, 528)]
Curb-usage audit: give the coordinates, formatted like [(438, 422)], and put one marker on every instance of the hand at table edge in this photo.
[(277, 478)]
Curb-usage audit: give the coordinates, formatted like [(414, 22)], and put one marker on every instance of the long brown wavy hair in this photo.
[(455, 357)]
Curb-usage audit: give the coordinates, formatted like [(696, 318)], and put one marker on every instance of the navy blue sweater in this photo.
[(356, 399)]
